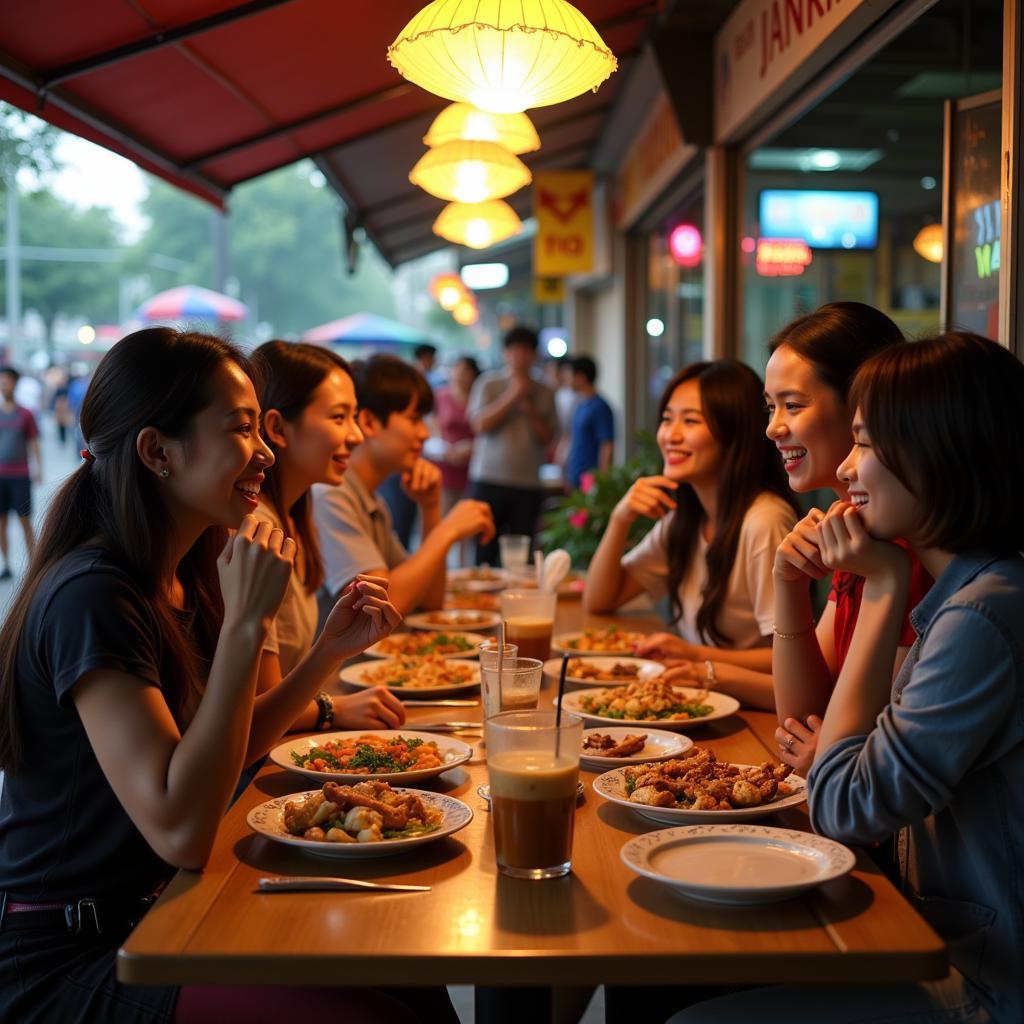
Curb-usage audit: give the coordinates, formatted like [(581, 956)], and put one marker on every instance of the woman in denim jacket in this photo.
[(937, 755)]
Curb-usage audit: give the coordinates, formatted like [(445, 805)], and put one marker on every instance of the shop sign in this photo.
[(782, 257), (768, 48), (563, 203), (548, 290)]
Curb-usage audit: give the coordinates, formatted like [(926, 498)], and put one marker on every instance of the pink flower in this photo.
[(579, 517), (587, 482)]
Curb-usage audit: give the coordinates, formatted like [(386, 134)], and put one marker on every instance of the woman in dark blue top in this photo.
[(128, 666)]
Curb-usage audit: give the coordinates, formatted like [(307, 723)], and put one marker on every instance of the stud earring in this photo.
[(164, 473)]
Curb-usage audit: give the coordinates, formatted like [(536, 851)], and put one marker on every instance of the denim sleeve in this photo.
[(959, 695)]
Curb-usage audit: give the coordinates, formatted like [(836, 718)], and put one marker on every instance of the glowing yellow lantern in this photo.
[(461, 121), (504, 57), (470, 172), (466, 313), (477, 225), (928, 243), (449, 290)]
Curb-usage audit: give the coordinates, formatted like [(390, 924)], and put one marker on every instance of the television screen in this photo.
[(824, 220)]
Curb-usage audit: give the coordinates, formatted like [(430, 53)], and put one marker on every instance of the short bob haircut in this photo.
[(385, 385), (943, 415)]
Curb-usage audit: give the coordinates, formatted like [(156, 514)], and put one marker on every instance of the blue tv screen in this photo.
[(822, 219)]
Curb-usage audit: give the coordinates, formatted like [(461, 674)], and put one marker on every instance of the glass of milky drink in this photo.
[(534, 768), (517, 688), (529, 620)]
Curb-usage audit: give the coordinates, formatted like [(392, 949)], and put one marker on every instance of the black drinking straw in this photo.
[(558, 705)]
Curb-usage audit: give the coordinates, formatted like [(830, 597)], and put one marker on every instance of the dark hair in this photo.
[(385, 384), (10, 371), (471, 362), (521, 335), (943, 415), (731, 397), (586, 366), (156, 377), (287, 376), (421, 351), (836, 338)]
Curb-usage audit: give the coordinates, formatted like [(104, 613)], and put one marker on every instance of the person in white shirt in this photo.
[(722, 507)]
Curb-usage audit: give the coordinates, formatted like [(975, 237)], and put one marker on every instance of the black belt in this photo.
[(84, 916)]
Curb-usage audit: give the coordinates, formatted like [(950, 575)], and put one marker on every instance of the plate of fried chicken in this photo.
[(699, 788), (606, 748)]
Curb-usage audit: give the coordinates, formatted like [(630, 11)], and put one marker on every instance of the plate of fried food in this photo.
[(737, 865), (587, 671), (368, 819), (452, 619), (601, 640), (699, 788), (650, 702), (390, 755), (456, 644), (478, 578), (411, 676), (609, 748)]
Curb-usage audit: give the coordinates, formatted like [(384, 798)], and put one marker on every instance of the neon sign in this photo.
[(782, 257)]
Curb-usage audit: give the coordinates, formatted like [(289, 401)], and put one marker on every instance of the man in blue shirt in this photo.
[(593, 424)]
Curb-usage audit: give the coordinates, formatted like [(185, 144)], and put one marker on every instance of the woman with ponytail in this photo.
[(128, 668)]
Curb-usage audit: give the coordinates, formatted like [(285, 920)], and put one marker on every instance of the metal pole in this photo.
[(13, 270), (221, 258)]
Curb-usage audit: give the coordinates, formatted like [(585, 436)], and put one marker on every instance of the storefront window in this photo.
[(846, 204)]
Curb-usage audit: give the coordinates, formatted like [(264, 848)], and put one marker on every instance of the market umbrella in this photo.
[(364, 329), (190, 302)]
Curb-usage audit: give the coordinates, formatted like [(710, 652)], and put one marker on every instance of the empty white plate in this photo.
[(737, 864)]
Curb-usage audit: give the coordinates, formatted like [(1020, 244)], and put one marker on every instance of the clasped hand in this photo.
[(361, 616)]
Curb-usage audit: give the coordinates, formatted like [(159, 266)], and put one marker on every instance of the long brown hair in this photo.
[(288, 374), (156, 377), (731, 397)]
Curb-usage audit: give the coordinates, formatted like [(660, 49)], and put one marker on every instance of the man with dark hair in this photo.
[(593, 424), (424, 356), (356, 535), (514, 419), (19, 438)]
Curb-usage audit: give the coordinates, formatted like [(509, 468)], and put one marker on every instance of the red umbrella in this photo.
[(189, 302)]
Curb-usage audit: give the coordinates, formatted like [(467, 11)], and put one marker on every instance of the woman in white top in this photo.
[(309, 422), (723, 507)]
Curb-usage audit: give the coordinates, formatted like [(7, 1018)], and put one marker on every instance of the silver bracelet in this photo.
[(793, 636), (710, 679)]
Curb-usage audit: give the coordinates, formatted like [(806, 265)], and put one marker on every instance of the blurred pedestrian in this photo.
[(19, 440), (593, 425)]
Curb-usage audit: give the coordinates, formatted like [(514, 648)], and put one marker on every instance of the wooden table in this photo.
[(601, 924)]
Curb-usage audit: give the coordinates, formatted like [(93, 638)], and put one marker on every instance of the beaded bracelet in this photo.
[(793, 636)]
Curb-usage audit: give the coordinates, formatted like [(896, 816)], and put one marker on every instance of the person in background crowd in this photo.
[(722, 507), (308, 398), (20, 465), (513, 416), (558, 377), (355, 525), (424, 358), (130, 656), (28, 393), (938, 752), (593, 425), (812, 365)]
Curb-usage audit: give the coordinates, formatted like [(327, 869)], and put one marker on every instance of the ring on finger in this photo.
[(788, 745)]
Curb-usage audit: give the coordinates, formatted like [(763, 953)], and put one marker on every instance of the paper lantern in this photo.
[(448, 289), (477, 225), (929, 244), (470, 172), (504, 57), (461, 121)]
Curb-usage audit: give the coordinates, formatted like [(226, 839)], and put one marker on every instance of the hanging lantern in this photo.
[(500, 56), (928, 243), (448, 290), (466, 313), (470, 172), (477, 225), (461, 121)]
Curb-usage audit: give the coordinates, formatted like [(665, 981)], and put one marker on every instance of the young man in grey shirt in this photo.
[(514, 418)]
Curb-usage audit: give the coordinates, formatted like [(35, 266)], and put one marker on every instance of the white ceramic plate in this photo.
[(473, 639), (451, 751), (454, 619), (737, 864), (723, 706), (645, 669), (354, 674), (268, 820), (562, 642), (660, 746), (468, 579), (612, 786)]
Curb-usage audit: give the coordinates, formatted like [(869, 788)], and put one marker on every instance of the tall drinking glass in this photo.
[(515, 550), (534, 768), (489, 685), (529, 621), (517, 688)]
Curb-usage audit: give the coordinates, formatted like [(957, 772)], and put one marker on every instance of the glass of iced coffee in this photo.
[(529, 620), (534, 767)]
